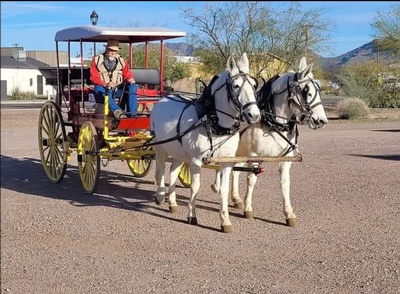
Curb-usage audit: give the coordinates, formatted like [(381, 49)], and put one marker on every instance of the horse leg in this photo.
[(217, 183), (226, 225), (237, 201), (174, 172), (161, 157), (248, 200), (194, 190), (284, 169)]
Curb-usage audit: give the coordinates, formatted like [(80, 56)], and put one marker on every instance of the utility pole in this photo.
[(306, 32)]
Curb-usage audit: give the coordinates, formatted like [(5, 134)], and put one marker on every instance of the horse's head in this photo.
[(303, 94), (238, 88)]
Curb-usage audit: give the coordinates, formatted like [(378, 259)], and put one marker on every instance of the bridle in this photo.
[(210, 117), (234, 94), (298, 95)]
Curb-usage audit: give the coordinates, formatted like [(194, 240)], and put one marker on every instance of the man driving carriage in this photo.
[(109, 72)]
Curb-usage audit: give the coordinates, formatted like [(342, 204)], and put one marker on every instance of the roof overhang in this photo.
[(122, 34)]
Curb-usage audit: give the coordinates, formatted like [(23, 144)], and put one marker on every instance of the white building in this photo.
[(186, 59), (21, 72), (25, 75)]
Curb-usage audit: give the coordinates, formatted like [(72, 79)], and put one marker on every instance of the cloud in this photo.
[(12, 9)]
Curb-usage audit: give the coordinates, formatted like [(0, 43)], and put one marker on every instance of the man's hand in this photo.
[(111, 85), (131, 81)]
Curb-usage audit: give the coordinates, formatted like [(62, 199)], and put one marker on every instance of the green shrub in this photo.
[(353, 108), (17, 94), (366, 79)]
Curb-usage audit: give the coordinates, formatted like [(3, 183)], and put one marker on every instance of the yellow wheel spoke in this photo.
[(51, 134)]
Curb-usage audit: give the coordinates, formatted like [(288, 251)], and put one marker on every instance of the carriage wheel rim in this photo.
[(139, 167), (52, 142), (88, 157)]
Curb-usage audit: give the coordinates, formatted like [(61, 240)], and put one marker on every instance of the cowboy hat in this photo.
[(112, 45)]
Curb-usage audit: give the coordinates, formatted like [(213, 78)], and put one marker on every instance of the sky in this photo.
[(33, 24)]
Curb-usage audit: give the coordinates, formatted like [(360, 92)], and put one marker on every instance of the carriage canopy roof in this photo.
[(122, 34)]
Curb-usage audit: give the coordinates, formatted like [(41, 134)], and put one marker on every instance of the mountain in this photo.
[(367, 51), (181, 49)]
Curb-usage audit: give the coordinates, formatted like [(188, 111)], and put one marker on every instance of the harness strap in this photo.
[(177, 137), (292, 146), (178, 125)]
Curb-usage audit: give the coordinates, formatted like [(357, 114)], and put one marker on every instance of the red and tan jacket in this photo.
[(100, 76)]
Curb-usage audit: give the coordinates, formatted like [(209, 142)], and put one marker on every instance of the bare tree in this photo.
[(257, 28), (387, 27)]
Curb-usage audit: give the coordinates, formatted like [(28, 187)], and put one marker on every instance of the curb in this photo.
[(23, 101)]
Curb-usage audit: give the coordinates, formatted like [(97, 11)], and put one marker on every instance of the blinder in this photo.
[(234, 92), (302, 102)]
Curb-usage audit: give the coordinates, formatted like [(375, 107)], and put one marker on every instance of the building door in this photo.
[(3, 90), (39, 85)]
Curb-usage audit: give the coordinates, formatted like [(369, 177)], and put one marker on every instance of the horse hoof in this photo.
[(291, 222), (226, 229), (158, 202), (238, 204), (192, 220), (249, 214), (173, 209), (215, 190)]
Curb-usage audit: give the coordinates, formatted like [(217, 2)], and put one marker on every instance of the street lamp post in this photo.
[(94, 17)]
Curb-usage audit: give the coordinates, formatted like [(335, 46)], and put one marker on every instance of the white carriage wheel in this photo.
[(52, 141)]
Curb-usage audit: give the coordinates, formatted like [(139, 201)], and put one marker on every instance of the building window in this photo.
[(31, 82)]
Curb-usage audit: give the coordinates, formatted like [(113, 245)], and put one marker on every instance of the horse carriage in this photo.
[(95, 134), (190, 132)]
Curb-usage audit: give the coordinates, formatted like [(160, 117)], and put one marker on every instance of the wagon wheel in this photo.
[(139, 167), (52, 141), (88, 157), (184, 175)]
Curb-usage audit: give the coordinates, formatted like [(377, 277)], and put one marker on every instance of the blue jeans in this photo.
[(132, 101)]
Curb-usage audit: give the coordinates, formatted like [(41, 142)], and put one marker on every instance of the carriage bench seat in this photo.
[(148, 81)]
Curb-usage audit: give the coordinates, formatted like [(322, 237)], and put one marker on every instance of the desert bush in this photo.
[(353, 108), (362, 80), (17, 94)]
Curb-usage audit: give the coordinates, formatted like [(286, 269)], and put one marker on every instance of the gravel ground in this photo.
[(345, 193)]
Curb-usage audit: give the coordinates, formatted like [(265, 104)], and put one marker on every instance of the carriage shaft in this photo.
[(296, 158)]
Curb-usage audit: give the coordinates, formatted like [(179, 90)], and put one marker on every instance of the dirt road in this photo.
[(345, 193)]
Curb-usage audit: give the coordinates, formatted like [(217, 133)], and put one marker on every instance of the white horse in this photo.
[(286, 101), (189, 130)]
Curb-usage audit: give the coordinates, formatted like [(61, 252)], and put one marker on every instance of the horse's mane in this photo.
[(265, 93), (266, 105)]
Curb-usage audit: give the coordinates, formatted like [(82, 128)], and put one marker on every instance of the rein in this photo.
[(178, 135)]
